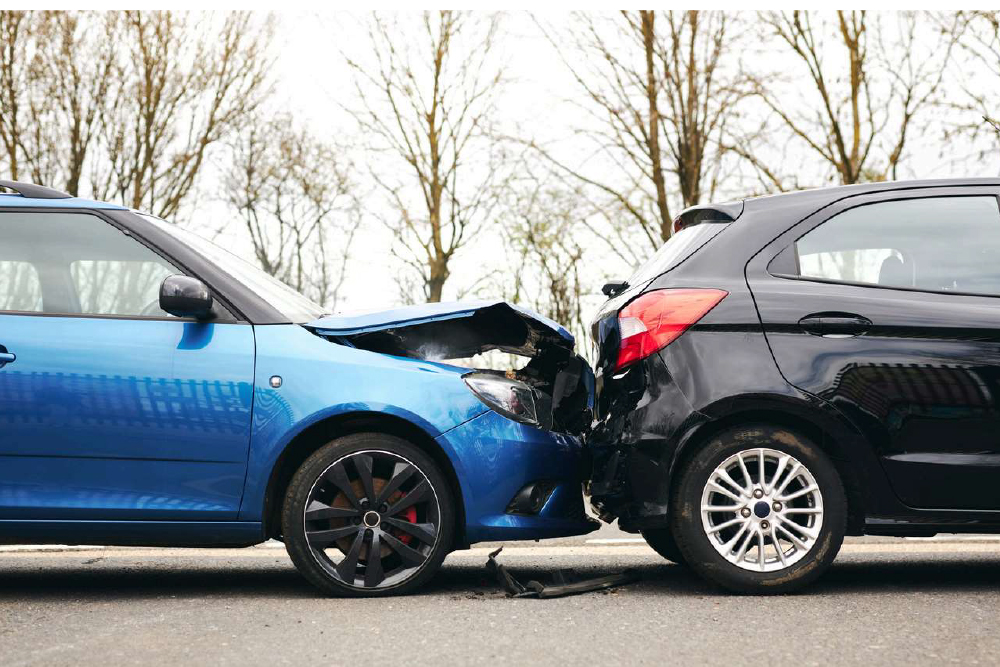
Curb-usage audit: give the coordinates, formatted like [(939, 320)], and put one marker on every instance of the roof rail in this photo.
[(32, 191)]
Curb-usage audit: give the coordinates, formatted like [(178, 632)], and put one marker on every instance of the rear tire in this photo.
[(363, 494), (662, 541), (759, 510)]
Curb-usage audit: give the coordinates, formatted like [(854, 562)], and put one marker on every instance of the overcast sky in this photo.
[(311, 77)]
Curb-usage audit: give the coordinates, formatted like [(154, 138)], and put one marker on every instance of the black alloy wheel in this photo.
[(368, 515)]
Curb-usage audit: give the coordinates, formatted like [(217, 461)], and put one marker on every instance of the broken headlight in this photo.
[(510, 398)]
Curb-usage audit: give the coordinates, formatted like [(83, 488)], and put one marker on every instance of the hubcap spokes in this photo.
[(762, 510), (372, 519)]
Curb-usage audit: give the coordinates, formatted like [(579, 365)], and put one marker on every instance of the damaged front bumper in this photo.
[(496, 458), (519, 465)]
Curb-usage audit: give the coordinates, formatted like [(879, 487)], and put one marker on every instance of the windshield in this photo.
[(277, 294), (678, 247)]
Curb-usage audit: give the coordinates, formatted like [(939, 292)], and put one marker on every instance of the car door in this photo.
[(888, 306), (109, 407)]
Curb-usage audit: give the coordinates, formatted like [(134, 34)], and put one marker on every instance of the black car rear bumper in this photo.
[(634, 443)]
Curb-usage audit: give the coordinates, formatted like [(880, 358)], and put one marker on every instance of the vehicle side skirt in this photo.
[(133, 533)]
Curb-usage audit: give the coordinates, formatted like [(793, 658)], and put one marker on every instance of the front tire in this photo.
[(368, 515), (760, 510)]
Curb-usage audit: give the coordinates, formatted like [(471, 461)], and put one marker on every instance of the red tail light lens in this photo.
[(658, 318)]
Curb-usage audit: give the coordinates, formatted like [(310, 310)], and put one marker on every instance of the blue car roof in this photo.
[(18, 201)]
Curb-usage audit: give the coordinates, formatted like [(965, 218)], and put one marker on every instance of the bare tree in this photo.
[(426, 98), (76, 51), (543, 227), (865, 80), (660, 89), (15, 33), (294, 195), (978, 37), (125, 106), (184, 84)]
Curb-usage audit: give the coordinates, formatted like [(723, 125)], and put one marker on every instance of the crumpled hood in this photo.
[(448, 330)]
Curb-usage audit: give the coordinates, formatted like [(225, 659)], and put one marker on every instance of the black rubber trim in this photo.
[(228, 318)]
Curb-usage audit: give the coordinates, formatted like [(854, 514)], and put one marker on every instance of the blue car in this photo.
[(157, 390)]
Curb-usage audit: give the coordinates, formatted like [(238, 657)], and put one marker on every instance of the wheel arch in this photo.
[(336, 426), (817, 428)]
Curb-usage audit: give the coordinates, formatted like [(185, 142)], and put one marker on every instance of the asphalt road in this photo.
[(883, 602)]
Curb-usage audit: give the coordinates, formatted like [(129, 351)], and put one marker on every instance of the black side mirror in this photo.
[(184, 296)]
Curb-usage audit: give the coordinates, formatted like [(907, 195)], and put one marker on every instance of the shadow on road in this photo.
[(136, 580), (913, 576), (139, 581)]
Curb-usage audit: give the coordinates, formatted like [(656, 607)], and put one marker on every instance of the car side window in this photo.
[(119, 287), (936, 244), (20, 288), (77, 264)]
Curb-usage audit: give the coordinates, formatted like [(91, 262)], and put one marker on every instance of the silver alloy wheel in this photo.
[(762, 510), (372, 519)]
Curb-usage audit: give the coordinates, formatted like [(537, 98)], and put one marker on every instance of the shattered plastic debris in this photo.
[(564, 582)]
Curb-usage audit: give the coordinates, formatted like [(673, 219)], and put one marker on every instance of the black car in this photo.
[(790, 369)]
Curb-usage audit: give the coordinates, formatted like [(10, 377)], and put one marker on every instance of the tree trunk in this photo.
[(653, 136)]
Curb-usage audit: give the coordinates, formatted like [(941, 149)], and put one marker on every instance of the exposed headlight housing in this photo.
[(511, 398)]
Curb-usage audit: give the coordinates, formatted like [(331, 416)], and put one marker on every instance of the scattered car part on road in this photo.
[(564, 582)]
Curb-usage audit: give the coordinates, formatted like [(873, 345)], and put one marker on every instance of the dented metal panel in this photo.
[(562, 381), (448, 330)]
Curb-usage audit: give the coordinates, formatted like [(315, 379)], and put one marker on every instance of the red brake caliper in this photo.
[(409, 514)]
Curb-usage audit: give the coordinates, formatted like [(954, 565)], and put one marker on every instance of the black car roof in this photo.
[(765, 218), (835, 192)]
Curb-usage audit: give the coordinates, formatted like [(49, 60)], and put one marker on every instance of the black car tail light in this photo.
[(657, 318)]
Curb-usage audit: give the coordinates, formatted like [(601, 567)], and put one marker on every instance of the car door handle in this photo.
[(835, 325), (7, 358)]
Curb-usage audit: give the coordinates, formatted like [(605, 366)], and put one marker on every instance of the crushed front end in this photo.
[(522, 462)]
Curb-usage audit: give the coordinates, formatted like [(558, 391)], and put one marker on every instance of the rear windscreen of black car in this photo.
[(678, 247)]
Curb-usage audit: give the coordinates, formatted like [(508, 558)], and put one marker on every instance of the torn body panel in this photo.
[(524, 452), (564, 582), (561, 380), (631, 446), (649, 414), (448, 330), (655, 414)]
